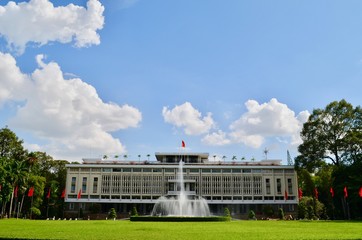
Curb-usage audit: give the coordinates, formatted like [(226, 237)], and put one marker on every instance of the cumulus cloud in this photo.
[(190, 119), (218, 138), (66, 113), (271, 119), (39, 22), (13, 82)]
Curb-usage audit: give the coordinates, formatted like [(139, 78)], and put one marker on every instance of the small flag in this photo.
[(63, 194), (183, 144), (300, 193), (331, 191), (31, 192), (16, 191), (360, 192), (316, 193), (345, 191), (79, 194), (48, 195), (285, 195)]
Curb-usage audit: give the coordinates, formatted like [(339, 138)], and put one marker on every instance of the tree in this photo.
[(134, 212), (251, 215), (233, 158), (112, 213), (13, 165), (281, 213), (333, 134)]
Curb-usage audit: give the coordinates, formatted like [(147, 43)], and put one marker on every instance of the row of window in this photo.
[(210, 185)]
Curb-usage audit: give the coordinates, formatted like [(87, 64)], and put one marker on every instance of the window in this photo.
[(290, 186), (72, 187), (71, 206), (95, 184), (279, 186), (267, 185), (84, 185)]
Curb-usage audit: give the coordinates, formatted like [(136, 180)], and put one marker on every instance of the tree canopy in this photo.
[(333, 134)]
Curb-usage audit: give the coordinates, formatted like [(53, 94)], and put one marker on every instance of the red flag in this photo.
[(360, 192), (316, 193), (31, 192), (183, 144), (345, 191), (63, 194), (285, 195), (331, 191), (16, 191), (48, 195), (300, 193), (79, 194)]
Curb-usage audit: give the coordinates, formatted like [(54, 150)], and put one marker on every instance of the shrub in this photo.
[(134, 212), (281, 213), (35, 211), (251, 215), (227, 213), (112, 213)]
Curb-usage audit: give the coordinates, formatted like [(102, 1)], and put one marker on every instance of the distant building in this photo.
[(241, 186)]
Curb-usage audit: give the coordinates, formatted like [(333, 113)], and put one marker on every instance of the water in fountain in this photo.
[(181, 205)]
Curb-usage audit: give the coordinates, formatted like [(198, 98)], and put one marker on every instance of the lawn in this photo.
[(121, 229)]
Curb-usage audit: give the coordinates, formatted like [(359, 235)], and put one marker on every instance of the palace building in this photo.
[(241, 186)]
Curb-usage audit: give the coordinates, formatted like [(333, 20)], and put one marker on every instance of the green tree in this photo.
[(281, 213), (112, 213), (251, 215), (227, 213), (134, 212), (333, 134)]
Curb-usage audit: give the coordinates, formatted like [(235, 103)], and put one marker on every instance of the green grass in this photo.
[(37, 229)]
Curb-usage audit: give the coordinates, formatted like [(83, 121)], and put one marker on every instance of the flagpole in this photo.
[(31, 207)]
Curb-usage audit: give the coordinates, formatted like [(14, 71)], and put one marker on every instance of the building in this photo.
[(241, 186)]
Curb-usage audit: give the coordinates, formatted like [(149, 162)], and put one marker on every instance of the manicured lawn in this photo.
[(121, 229)]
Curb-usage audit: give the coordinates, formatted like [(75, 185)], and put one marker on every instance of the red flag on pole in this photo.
[(48, 195), (316, 193), (331, 191), (79, 194), (16, 191), (285, 195), (345, 191), (183, 144), (360, 192), (63, 194), (31, 192), (300, 193)]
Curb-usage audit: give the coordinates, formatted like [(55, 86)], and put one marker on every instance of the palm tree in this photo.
[(243, 158), (148, 157), (214, 157), (125, 156), (233, 158), (17, 173), (139, 157), (223, 158)]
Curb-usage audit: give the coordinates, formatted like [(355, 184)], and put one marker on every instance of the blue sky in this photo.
[(88, 78)]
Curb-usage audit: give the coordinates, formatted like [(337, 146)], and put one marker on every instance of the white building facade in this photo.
[(240, 186)]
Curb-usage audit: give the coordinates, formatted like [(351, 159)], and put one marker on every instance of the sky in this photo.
[(82, 79)]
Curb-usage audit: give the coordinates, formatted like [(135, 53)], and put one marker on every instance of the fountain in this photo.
[(181, 205)]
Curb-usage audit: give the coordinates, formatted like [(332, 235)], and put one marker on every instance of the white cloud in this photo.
[(38, 21), (190, 119), (13, 82), (272, 119), (67, 113), (218, 138)]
